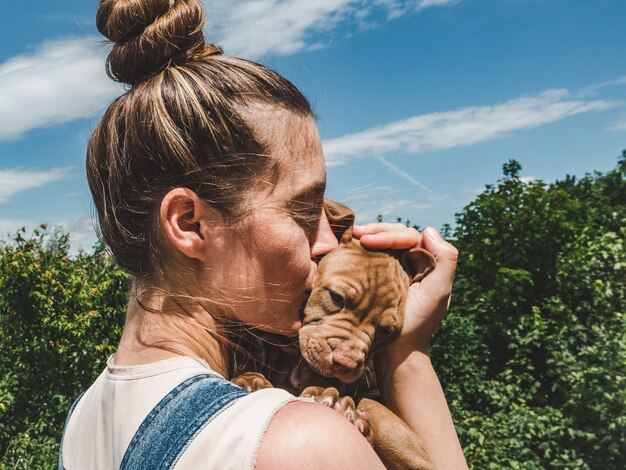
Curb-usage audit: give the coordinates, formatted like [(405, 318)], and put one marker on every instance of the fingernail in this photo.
[(432, 233)]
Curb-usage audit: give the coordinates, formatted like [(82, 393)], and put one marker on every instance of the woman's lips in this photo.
[(307, 294)]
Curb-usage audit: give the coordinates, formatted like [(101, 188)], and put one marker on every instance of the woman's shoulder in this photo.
[(271, 429), (117, 403), (231, 439), (307, 435)]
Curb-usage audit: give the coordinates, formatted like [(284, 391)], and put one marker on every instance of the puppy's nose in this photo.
[(343, 363)]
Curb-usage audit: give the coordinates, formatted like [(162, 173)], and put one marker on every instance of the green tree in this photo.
[(534, 348), (59, 319)]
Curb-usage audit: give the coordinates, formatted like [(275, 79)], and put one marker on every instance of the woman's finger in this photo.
[(370, 229), (392, 239), (439, 281)]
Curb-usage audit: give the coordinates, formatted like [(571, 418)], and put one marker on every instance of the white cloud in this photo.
[(444, 130), (251, 28), (619, 126), (390, 209), (390, 202), (15, 180), (81, 230), (528, 179), (63, 80), (399, 8), (58, 82), (595, 88), (10, 226), (404, 175)]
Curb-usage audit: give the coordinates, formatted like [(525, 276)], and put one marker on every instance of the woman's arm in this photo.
[(412, 391), (408, 381), (308, 436)]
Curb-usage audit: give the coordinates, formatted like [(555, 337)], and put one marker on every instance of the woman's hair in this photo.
[(184, 122)]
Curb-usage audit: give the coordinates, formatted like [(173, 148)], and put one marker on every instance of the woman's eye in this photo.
[(337, 297), (306, 214)]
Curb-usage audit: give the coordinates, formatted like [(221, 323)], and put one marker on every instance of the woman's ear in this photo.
[(188, 223)]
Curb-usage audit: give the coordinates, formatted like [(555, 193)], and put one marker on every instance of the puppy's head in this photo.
[(357, 303)]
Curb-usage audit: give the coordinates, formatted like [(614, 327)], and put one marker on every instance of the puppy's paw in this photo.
[(330, 397), (363, 425), (345, 405), (252, 381)]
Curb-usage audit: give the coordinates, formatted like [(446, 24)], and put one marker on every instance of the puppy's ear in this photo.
[(340, 218), (418, 263), (347, 235)]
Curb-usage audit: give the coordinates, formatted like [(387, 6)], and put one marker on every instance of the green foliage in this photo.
[(532, 354), (60, 317)]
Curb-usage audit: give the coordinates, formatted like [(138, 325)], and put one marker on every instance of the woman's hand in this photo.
[(428, 300), (408, 382)]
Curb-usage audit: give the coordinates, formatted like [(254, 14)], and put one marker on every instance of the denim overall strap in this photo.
[(67, 420), (176, 420)]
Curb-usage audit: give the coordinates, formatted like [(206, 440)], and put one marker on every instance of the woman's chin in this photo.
[(291, 329), (294, 328)]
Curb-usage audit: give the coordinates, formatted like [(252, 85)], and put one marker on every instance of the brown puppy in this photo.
[(357, 304)]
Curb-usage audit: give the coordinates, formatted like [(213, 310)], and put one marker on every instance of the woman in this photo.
[(208, 179)]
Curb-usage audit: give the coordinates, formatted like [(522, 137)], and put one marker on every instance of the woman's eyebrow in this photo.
[(314, 189)]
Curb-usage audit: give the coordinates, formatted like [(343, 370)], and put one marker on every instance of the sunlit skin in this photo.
[(269, 271)]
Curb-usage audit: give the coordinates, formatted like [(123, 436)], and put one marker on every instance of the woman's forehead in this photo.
[(303, 169), (293, 141), (298, 150), (278, 128)]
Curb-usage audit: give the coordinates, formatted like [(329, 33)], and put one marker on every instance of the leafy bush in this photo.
[(532, 354), (59, 320)]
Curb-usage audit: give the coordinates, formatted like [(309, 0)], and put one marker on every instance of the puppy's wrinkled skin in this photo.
[(358, 299), (357, 302)]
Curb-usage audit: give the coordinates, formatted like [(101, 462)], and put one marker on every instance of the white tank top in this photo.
[(112, 409)]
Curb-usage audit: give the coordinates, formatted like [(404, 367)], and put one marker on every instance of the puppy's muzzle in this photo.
[(331, 356)]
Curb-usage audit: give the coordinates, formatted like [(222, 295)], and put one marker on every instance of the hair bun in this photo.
[(149, 35)]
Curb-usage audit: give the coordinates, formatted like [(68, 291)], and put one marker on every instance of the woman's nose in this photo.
[(324, 240)]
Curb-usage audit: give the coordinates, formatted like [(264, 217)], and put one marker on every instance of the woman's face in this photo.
[(269, 268)]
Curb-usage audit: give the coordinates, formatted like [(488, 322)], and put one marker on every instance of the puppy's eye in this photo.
[(337, 298), (385, 333)]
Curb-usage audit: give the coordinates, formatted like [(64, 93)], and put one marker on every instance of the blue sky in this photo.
[(420, 102)]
